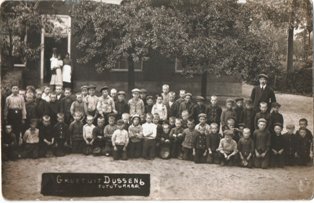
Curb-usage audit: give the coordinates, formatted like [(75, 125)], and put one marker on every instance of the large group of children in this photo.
[(45, 123)]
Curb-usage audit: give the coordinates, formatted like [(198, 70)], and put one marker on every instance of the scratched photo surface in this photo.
[(236, 50)]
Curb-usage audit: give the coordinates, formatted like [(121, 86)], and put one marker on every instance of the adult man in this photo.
[(262, 93)]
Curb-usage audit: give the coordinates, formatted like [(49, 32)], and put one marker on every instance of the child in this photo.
[(160, 108), (199, 107), (98, 134), (214, 111), (88, 135), (30, 89), (59, 92), (227, 149), (55, 65), (228, 113), (30, 110), (121, 105), (246, 149), (84, 92), (213, 144), (46, 94), (262, 143), (172, 121), (9, 145), (185, 117), (120, 140), (108, 131), (303, 124), (202, 127), (275, 116), (262, 114), (290, 140), (178, 102), (143, 119), (136, 104), (46, 138), (277, 147), (149, 104), (65, 105), (62, 138), (78, 106), (135, 137), (53, 108), (67, 71), (200, 146), (22, 93), (149, 135), (231, 126), (15, 111), (143, 95), (304, 147), (91, 101), (113, 94), (170, 104), (41, 106), (31, 141), (239, 110), (105, 104), (189, 135), (187, 105), (176, 138), (158, 123), (248, 115), (165, 93), (76, 133), (126, 120), (165, 144)]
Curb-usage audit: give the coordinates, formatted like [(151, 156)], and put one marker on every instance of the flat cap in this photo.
[(120, 122), (135, 116), (263, 120), (229, 100), (188, 94), (46, 118), (121, 93), (249, 101), (239, 99), (228, 132), (149, 97), (241, 124), (60, 115), (278, 124), (84, 87), (104, 88), (91, 87), (136, 90), (290, 126), (199, 98), (263, 75), (143, 91), (202, 115), (275, 104)]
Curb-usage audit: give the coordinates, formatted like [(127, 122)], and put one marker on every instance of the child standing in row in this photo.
[(136, 136), (149, 134), (120, 140)]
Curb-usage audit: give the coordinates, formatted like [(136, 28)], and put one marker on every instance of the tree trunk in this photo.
[(204, 84), (131, 79), (290, 50)]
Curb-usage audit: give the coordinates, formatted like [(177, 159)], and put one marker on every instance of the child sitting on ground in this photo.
[(227, 149), (31, 141)]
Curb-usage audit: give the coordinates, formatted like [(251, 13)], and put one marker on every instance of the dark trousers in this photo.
[(135, 149), (108, 147), (149, 146), (45, 149), (30, 150), (176, 148), (164, 152), (199, 156), (77, 146), (15, 120), (60, 148), (249, 162), (187, 153), (232, 161), (277, 160), (87, 148), (290, 160), (9, 153), (262, 162), (120, 153), (67, 85), (213, 158), (303, 159), (99, 147)]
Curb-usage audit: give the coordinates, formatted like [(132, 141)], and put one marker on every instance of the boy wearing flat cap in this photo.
[(275, 116), (228, 113), (227, 149), (200, 107), (187, 105), (105, 104), (239, 110), (121, 105), (202, 127), (277, 147), (262, 114), (136, 104)]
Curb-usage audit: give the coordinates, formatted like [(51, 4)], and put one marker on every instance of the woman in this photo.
[(55, 65), (67, 71)]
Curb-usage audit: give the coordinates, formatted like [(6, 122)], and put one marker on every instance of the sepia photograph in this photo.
[(156, 100)]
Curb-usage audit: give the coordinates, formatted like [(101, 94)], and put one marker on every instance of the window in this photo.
[(122, 65)]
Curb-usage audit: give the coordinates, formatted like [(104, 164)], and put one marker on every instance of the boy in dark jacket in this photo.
[(290, 141), (46, 137), (76, 133), (275, 116), (121, 105), (62, 138), (213, 144), (246, 149), (277, 146)]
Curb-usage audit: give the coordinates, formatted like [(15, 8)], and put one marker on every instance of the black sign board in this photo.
[(95, 184)]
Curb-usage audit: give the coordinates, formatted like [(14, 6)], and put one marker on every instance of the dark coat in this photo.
[(258, 95)]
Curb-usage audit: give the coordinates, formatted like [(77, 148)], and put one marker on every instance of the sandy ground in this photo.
[(177, 179)]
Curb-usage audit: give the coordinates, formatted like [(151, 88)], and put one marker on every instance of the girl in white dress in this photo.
[(56, 65), (67, 71)]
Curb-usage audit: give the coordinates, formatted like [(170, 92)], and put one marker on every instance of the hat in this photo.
[(199, 98), (84, 87), (120, 122), (46, 118), (121, 93), (263, 75), (91, 87), (104, 88), (275, 104), (278, 124), (60, 115), (202, 115), (290, 126), (136, 90), (188, 94), (143, 91), (241, 124), (149, 97), (239, 99), (263, 120), (111, 115), (228, 132), (229, 100), (135, 116), (249, 101)]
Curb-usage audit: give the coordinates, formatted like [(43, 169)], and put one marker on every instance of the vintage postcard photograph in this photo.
[(156, 100)]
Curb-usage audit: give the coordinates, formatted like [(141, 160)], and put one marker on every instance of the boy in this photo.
[(121, 105), (135, 137), (9, 145), (136, 104), (46, 137), (31, 140), (239, 110), (120, 140), (228, 113), (202, 127), (262, 143), (22, 93), (143, 119), (187, 105), (231, 126), (304, 147), (214, 111), (76, 133), (176, 138), (290, 140), (46, 94), (143, 95), (170, 104), (105, 104), (91, 101), (41, 106), (160, 108), (248, 115), (275, 116), (172, 121), (303, 124), (15, 111), (277, 146), (126, 119), (165, 144), (246, 149), (98, 134), (189, 135), (149, 135), (30, 89), (158, 123), (199, 107), (262, 114), (200, 146), (113, 94), (227, 149), (165, 93), (88, 135), (185, 117), (149, 104), (213, 144), (178, 102), (108, 131), (59, 92), (65, 105), (62, 138), (53, 108), (84, 92), (30, 110), (78, 106)]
